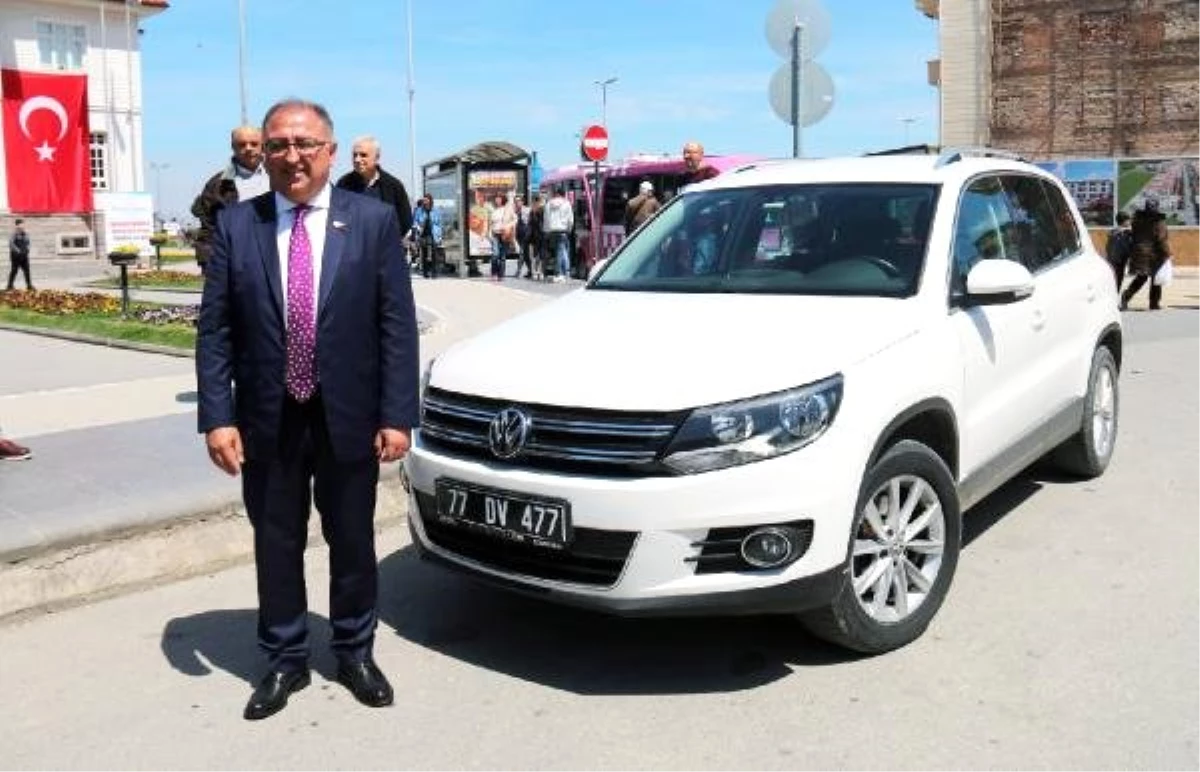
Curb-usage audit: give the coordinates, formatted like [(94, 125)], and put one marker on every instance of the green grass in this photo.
[(136, 282), (178, 255), (1130, 183), (107, 326)]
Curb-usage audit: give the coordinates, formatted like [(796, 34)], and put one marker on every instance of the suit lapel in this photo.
[(337, 226), (268, 247)]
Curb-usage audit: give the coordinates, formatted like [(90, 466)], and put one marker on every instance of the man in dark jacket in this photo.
[(1149, 251), (243, 179), (369, 179), (18, 253)]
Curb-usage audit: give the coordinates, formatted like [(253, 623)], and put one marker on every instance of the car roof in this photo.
[(948, 169)]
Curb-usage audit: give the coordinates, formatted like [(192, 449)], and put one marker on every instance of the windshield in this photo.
[(827, 239)]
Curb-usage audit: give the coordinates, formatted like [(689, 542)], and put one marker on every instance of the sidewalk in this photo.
[(118, 462)]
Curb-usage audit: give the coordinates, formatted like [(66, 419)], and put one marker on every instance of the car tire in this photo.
[(895, 579), (1087, 453)]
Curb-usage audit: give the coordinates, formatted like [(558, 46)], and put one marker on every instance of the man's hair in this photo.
[(367, 139), (295, 102), (1122, 218), (19, 221), (233, 134)]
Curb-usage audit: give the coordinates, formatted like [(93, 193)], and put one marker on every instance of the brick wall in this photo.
[(1095, 78)]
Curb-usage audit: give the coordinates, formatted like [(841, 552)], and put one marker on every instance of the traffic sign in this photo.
[(595, 143)]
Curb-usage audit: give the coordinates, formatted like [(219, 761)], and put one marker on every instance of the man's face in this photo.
[(298, 174), (693, 154), (365, 159), (247, 147)]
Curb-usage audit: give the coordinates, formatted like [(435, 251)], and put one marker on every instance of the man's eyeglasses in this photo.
[(305, 146)]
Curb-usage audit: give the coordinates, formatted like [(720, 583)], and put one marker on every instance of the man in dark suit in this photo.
[(306, 361)]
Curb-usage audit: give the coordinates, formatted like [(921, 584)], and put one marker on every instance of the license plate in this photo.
[(505, 514)]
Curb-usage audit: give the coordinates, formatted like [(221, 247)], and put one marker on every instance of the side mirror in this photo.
[(995, 282)]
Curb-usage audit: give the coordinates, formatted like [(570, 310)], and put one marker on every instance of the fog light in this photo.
[(770, 547)]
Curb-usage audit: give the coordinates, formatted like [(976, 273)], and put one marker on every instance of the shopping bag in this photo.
[(1164, 274)]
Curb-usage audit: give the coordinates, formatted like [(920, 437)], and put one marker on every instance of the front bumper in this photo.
[(645, 532)]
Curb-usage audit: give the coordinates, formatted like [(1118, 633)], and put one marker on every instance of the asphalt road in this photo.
[(1069, 641)]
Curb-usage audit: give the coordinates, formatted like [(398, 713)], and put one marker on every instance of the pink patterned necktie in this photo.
[(301, 376)]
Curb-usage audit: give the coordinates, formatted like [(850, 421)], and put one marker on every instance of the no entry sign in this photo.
[(595, 143)]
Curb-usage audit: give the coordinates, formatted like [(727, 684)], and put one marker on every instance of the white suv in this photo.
[(779, 396)]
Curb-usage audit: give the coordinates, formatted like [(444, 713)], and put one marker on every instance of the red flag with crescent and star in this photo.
[(46, 142)]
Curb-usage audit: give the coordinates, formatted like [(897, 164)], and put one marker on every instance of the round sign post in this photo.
[(594, 147), (595, 143)]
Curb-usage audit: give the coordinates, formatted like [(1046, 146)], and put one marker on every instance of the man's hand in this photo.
[(225, 449), (392, 444)]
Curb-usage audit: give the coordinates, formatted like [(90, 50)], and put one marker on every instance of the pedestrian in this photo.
[(502, 224), (1149, 249), (537, 239), (522, 211), (18, 255), (307, 373), (1118, 247), (242, 179), (640, 207), (693, 160), (11, 451), (370, 179), (558, 222), (427, 234)]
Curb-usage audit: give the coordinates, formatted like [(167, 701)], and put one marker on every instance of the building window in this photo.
[(61, 46), (99, 160)]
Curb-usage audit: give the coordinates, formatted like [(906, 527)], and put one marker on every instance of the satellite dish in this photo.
[(816, 98), (782, 20)]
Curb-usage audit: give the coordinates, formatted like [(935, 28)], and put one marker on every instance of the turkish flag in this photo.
[(46, 142)]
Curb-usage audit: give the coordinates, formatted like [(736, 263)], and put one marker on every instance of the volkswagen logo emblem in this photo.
[(508, 432)]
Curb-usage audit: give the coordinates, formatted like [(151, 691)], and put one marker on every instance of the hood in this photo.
[(650, 351)]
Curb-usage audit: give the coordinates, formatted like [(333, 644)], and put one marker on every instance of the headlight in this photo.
[(734, 433)]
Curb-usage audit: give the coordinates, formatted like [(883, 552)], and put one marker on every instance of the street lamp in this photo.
[(604, 84)]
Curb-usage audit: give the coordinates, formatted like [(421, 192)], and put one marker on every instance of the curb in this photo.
[(131, 559)]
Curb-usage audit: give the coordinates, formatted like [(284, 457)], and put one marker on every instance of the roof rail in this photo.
[(952, 154)]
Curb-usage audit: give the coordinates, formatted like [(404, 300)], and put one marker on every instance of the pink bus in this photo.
[(619, 183)]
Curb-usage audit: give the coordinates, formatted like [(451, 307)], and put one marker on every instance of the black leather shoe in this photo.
[(366, 682), (272, 693)]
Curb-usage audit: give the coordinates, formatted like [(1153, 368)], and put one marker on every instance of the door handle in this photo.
[(1039, 319), (1089, 293)]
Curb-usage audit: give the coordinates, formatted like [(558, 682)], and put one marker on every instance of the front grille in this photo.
[(594, 557), (569, 440), (721, 548)]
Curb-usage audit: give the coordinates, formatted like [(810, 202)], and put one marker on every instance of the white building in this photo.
[(98, 38)]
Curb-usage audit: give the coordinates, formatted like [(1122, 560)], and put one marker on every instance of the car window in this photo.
[(983, 229), (836, 238), (1069, 242), (1035, 235)]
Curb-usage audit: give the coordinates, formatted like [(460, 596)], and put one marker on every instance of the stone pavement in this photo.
[(120, 490)]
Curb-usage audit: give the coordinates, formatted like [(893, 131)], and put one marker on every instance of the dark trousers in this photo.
[(1135, 285), (431, 262), (19, 263), (278, 492)]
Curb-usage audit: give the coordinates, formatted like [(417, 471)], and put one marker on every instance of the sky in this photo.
[(525, 72)]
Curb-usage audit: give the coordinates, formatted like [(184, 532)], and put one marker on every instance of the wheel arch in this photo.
[(1112, 339), (931, 422)]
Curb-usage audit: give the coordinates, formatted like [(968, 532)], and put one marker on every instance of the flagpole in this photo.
[(242, 59)]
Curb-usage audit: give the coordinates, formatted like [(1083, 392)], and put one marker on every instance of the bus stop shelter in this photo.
[(462, 185)]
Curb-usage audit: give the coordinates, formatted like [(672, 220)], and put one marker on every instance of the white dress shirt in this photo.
[(314, 222)]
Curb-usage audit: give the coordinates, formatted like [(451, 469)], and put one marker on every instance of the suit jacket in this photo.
[(367, 340)]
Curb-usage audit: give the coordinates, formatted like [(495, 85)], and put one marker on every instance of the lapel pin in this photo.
[(338, 225)]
